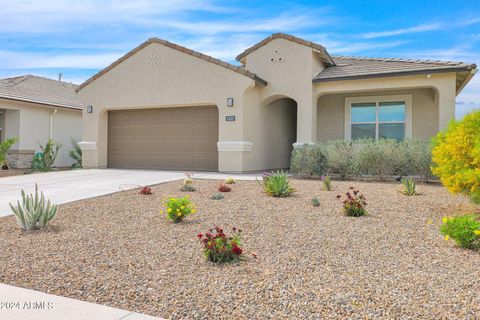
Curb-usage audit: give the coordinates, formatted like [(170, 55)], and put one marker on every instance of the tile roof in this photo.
[(40, 90), (348, 68), (321, 49), (171, 45)]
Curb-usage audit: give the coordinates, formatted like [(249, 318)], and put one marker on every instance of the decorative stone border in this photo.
[(20, 159)]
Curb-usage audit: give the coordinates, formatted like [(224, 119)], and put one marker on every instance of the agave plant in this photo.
[(277, 184), (409, 187), (34, 212)]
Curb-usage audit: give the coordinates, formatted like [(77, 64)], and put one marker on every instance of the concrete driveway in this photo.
[(67, 186)]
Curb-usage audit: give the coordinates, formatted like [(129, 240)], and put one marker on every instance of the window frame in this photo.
[(406, 98)]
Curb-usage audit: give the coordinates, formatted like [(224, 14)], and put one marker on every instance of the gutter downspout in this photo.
[(50, 135)]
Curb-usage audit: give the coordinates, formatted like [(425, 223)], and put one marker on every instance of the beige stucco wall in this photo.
[(161, 77), (331, 113), (291, 77), (31, 124)]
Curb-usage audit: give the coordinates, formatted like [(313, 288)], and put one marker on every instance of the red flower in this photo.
[(199, 236), (237, 250)]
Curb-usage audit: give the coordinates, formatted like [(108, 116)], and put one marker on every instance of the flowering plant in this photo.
[(354, 203), (146, 190), (464, 230), (230, 180), (224, 188), (178, 208), (188, 178), (218, 247)]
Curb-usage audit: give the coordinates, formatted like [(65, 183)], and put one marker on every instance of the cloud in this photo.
[(55, 16), (415, 29), (20, 60)]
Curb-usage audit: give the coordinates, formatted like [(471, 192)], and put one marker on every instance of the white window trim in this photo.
[(407, 98)]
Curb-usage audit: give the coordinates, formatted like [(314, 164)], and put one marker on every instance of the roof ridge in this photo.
[(13, 81), (175, 47), (280, 35), (439, 62)]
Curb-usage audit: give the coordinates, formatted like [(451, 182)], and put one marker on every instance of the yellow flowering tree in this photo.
[(456, 156)]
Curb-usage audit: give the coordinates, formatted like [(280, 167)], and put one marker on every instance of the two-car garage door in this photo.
[(168, 138)]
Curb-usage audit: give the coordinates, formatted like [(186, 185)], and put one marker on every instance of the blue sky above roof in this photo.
[(78, 38)]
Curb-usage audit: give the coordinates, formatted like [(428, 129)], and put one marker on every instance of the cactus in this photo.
[(34, 212)]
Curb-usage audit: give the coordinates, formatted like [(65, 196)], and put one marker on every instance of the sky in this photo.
[(79, 38)]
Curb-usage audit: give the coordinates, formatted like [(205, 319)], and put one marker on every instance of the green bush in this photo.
[(464, 230), (76, 154), (340, 157), (4, 148), (308, 160), (277, 184), (380, 159), (43, 161), (34, 212), (315, 202)]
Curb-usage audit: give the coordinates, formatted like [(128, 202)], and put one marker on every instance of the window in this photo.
[(377, 118)]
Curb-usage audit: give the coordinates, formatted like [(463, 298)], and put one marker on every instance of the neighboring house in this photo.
[(164, 106), (34, 109)]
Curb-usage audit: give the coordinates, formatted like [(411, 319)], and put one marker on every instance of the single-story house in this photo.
[(34, 109), (164, 106)]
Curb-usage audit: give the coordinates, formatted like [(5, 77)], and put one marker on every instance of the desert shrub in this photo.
[(217, 196), (220, 248), (176, 209), (327, 183), (44, 160), (382, 158), (76, 154), (378, 158), (354, 203), (409, 187), (315, 202), (34, 212), (224, 188), (188, 188), (416, 155), (308, 160), (456, 156), (277, 184), (340, 157), (463, 230), (146, 190), (4, 148), (230, 180)]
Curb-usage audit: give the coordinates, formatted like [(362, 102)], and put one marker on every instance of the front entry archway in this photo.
[(280, 131)]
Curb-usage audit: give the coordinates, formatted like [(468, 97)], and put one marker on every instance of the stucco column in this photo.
[(306, 121), (446, 105)]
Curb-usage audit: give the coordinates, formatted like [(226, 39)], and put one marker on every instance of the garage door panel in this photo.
[(170, 138)]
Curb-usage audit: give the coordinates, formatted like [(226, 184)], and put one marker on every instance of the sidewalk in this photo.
[(25, 304)]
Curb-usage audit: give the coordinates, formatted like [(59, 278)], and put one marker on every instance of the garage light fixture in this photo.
[(229, 102), (89, 109)]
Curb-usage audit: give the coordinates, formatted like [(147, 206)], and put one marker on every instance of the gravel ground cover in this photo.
[(312, 262)]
